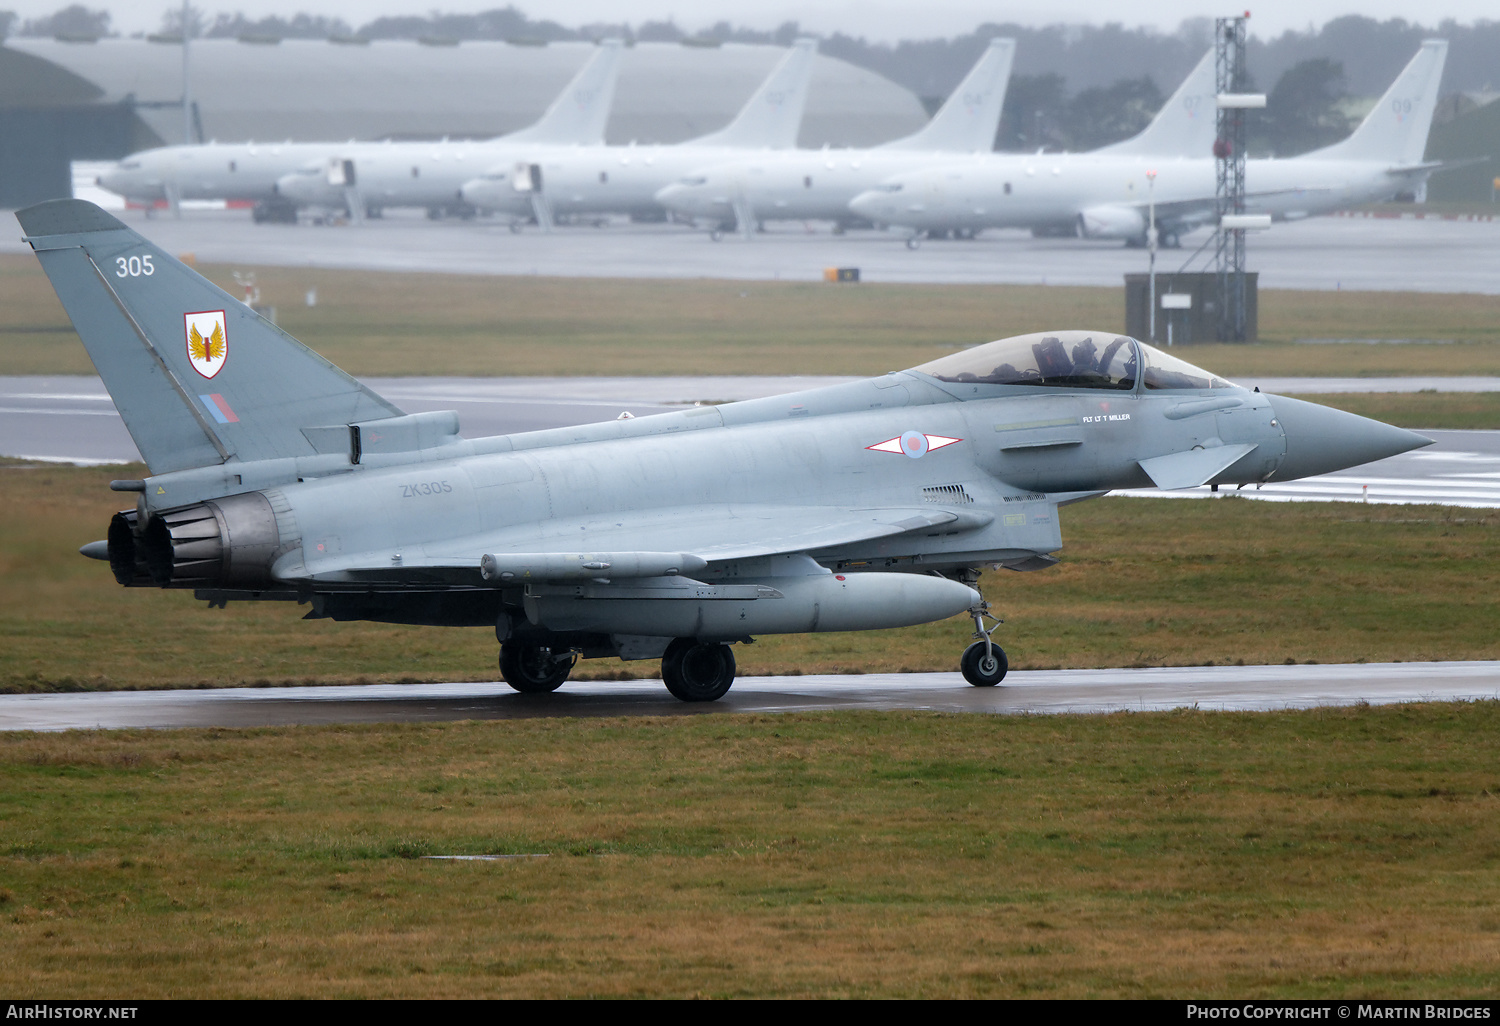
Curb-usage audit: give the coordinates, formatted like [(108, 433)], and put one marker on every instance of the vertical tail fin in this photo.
[(773, 116), (581, 110), (1395, 130), (199, 378), (967, 121), (1186, 124)]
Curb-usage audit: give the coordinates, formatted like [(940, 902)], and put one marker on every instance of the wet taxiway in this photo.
[(1030, 692)]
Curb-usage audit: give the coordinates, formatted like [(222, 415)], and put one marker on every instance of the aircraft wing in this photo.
[(1432, 166), (648, 543), (1201, 211)]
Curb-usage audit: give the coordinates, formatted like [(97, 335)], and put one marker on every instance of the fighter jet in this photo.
[(1106, 195), (541, 183), (250, 171), (819, 185), (273, 475)]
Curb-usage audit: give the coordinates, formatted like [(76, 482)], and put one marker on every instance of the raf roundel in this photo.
[(913, 443), (207, 341)]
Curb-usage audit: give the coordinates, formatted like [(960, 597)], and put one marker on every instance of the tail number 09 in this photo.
[(134, 267)]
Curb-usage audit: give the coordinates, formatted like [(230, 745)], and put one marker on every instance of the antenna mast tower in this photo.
[(1229, 153)]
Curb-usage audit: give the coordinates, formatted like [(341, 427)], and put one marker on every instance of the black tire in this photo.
[(975, 668), (697, 673), (914, 242), (532, 670)]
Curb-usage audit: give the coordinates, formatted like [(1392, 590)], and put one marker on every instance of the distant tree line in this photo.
[(1075, 87)]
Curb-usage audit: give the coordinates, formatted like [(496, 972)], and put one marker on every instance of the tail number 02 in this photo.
[(134, 267)]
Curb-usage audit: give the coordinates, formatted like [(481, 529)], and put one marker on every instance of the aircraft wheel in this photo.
[(515, 227), (716, 234), (697, 673), (532, 670), (981, 668), (915, 242), (1170, 240)]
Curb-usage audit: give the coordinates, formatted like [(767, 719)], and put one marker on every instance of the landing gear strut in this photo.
[(983, 664), (696, 672), (535, 669)]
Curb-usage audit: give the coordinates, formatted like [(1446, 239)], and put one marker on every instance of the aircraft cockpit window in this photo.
[(130, 165), (695, 180), (1163, 371), (1063, 359), (889, 187)]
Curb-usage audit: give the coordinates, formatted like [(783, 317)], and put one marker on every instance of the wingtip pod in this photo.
[(66, 217)]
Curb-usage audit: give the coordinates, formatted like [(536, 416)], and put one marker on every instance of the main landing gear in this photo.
[(697, 672), (535, 669), (693, 671), (983, 664)]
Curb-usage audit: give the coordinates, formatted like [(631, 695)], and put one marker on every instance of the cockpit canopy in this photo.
[(1070, 359)]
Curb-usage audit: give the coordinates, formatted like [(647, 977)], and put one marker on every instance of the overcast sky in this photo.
[(886, 20)]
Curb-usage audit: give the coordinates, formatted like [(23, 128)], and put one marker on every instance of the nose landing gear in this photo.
[(983, 664)]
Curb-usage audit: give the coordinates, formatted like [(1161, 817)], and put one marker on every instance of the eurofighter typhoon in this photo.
[(873, 504)]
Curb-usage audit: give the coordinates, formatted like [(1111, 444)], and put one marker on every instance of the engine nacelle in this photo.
[(228, 542), (1112, 222)]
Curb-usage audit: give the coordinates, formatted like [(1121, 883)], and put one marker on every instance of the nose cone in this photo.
[(1320, 439), (116, 180)]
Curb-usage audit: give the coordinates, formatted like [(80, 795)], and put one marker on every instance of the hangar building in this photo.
[(64, 100)]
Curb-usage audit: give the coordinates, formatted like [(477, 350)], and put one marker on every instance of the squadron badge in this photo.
[(207, 342)]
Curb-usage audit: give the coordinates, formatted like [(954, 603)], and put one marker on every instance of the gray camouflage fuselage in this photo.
[(857, 506)]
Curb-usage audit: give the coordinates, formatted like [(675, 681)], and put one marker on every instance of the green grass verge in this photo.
[(1417, 410), (1332, 853), (396, 324), (1143, 582)]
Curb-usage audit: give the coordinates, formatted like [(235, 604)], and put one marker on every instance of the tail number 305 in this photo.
[(134, 267)]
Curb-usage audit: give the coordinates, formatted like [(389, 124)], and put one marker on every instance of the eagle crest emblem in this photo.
[(207, 341)]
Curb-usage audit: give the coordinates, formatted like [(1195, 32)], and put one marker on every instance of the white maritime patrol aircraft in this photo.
[(1105, 195), (804, 185), (250, 171), (818, 184), (372, 176), (542, 183)]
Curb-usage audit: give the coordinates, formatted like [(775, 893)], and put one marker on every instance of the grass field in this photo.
[(1143, 582), (396, 324), (1331, 853), (1455, 410)]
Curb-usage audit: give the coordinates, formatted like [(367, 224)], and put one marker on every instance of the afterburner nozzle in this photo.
[(1320, 439)]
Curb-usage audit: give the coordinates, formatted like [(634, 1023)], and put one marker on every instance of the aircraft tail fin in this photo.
[(581, 110), (1186, 124), (199, 378), (1396, 128), (967, 121), (772, 117)]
